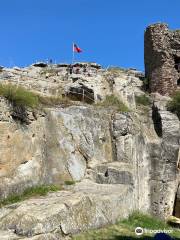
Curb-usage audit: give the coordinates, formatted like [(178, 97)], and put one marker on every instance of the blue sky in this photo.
[(110, 32)]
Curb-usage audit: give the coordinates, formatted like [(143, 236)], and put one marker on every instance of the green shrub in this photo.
[(113, 101), (69, 182), (30, 192), (23, 98), (174, 104), (142, 100), (18, 96)]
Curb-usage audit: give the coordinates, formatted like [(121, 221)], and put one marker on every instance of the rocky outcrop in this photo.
[(81, 93), (164, 157), (120, 161), (67, 212), (65, 141), (91, 85)]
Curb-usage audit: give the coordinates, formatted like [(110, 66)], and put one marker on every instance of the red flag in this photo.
[(76, 48)]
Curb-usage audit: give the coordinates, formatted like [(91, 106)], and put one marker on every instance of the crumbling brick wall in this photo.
[(162, 58)]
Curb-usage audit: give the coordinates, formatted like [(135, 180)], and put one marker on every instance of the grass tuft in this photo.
[(69, 182), (137, 219), (30, 192), (113, 101), (18, 96), (174, 104), (125, 229), (142, 100)]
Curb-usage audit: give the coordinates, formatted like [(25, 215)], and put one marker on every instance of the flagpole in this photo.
[(72, 53)]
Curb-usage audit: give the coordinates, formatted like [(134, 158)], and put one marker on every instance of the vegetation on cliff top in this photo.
[(113, 101), (125, 229), (21, 100), (174, 104), (18, 96)]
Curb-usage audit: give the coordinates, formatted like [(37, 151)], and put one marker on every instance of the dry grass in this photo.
[(53, 100), (113, 101), (18, 96)]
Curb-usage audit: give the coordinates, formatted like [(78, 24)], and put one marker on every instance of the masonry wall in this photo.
[(161, 48)]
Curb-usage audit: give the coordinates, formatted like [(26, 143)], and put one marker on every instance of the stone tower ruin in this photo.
[(162, 58)]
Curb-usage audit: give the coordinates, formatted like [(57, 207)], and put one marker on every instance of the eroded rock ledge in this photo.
[(87, 205)]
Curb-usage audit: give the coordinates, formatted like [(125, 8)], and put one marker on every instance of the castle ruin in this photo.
[(162, 58)]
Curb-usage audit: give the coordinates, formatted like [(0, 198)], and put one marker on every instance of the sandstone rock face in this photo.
[(162, 58), (120, 161)]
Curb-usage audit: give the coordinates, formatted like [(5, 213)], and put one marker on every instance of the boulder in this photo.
[(87, 205)]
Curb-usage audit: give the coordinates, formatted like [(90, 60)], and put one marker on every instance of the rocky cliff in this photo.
[(119, 161)]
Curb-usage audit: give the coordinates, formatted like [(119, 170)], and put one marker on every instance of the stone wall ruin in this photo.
[(162, 58)]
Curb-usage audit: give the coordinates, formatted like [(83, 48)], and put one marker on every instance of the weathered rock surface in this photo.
[(66, 141), (121, 161), (96, 81), (87, 205), (164, 156)]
